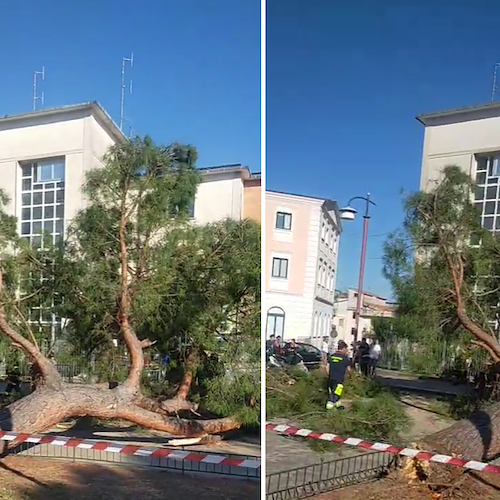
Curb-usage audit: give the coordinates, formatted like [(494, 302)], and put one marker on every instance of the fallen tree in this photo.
[(445, 270), (135, 270)]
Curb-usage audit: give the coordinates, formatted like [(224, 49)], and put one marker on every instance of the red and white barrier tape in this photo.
[(425, 456), (140, 451)]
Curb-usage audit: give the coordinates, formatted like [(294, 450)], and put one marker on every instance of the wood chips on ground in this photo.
[(396, 487), (27, 478)]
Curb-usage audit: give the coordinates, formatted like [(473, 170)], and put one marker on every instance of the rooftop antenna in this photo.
[(37, 97), (125, 60)]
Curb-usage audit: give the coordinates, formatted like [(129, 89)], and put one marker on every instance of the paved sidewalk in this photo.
[(285, 453), (410, 382)]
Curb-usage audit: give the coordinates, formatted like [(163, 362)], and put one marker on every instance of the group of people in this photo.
[(364, 356), (286, 350)]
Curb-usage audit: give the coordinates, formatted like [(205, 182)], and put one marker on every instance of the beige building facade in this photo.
[(302, 241), (373, 306), (44, 156), (470, 139)]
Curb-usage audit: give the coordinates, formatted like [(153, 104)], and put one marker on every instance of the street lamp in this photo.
[(349, 213)]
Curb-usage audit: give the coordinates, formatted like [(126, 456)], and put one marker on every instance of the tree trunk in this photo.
[(476, 438), (46, 407)]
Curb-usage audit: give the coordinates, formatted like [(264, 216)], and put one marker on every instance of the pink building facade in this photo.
[(302, 241)]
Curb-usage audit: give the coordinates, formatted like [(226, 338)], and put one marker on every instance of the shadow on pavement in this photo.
[(37, 479)]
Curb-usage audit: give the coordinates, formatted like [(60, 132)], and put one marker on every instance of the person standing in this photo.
[(364, 357), (338, 365), (374, 357), (325, 350)]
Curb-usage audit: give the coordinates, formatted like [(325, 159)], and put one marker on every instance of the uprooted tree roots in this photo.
[(477, 438)]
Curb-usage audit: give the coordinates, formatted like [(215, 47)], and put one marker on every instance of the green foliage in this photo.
[(439, 239), (457, 407), (372, 412), (236, 394), (193, 289)]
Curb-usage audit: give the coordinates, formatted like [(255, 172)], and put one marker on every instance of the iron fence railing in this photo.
[(311, 480), (88, 455)]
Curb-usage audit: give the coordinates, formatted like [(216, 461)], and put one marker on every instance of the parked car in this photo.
[(311, 356)]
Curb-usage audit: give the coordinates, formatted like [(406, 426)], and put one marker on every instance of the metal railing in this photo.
[(184, 466), (311, 480)]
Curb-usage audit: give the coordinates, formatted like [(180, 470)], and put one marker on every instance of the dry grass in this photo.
[(23, 478)]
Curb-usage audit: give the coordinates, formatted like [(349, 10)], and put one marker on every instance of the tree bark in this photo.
[(46, 407), (476, 438), (54, 401), (187, 379)]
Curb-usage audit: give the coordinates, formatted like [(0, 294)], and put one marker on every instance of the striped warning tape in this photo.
[(127, 449), (425, 456)]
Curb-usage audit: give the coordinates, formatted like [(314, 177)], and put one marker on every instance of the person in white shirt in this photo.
[(325, 349), (375, 350)]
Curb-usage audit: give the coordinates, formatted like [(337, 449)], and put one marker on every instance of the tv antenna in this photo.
[(125, 60), (37, 97)]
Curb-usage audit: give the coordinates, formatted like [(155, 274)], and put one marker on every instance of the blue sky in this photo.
[(196, 69), (345, 80)]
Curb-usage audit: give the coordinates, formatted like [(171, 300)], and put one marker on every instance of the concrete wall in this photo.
[(219, 196), (456, 140), (252, 199), (76, 136)]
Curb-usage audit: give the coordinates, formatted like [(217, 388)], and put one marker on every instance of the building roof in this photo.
[(467, 112), (109, 124), (92, 107), (231, 168), (329, 205)]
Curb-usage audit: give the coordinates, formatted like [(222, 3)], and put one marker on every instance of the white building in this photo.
[(302, 240), (223, 194), (373, 306), (45, 154), (470, 139)]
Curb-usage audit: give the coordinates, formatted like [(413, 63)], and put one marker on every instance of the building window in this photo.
[(42, 201), (42, 219), (50, 171), (275, 322), (280, 268), (341, 322), (283, 221), (487, 191), (191, 209)]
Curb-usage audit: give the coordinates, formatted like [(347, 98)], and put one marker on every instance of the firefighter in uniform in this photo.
[(338, 365)]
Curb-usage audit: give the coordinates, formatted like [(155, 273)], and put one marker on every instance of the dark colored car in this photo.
[(311, 356)]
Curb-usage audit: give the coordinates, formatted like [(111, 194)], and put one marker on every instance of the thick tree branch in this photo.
[(491, 352), (27, 325), (47, 369), (187, 379), (131, 341), (176, 426), (43, 409), (166, 407)]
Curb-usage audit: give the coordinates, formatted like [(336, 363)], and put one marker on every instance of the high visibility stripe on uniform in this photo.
[(336, 359)]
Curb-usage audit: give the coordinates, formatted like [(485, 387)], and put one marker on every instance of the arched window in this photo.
[(275, 322)]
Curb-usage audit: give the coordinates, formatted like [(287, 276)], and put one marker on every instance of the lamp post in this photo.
[(349, 213)]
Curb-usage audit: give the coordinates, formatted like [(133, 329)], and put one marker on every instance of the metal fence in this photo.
[(48, 451), (311, 480)]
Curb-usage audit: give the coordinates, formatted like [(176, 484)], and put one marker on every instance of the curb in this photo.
[(131, 450), (425, 456)]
